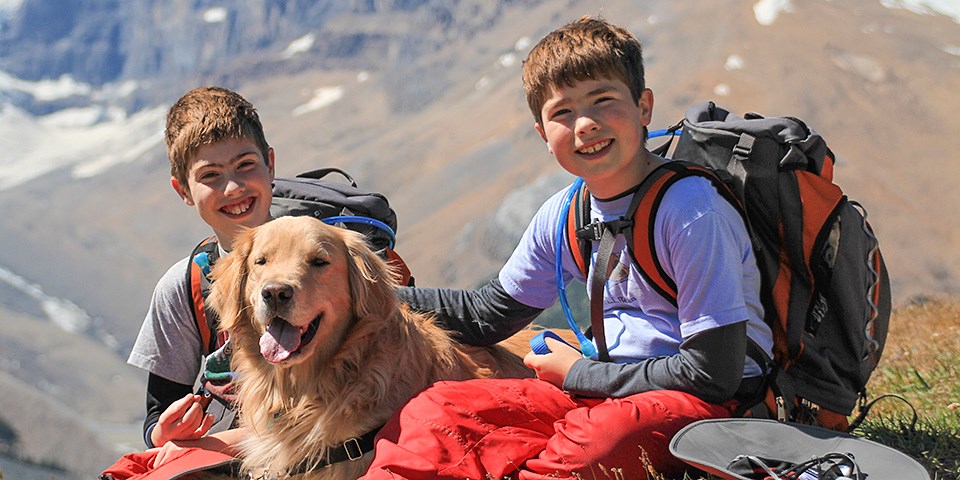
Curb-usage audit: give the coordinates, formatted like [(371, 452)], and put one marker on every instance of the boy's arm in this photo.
[(168, 345), (709, 366), (479, 317)]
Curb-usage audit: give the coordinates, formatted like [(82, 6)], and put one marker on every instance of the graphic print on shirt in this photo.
[(621, 289)]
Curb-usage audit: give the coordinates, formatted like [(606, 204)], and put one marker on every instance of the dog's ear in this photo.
[(372, 282), (229, 275)]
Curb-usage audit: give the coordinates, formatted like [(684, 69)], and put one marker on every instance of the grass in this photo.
[(920, 363)]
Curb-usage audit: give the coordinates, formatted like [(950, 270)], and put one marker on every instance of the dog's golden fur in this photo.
[(369, 355)]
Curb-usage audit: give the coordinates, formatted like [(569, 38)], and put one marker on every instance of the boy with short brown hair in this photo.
[(221, 164), (672, 364)]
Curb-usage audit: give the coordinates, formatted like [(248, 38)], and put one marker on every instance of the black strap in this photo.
[(598, 282), (606, 233), (768, 380), (351, 449), (323, 172), (865, 407), (662, 150), (581, 210)]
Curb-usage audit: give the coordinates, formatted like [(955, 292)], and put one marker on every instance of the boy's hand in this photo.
[(182, 420), (227, 441), (553, 367), (166, 453)]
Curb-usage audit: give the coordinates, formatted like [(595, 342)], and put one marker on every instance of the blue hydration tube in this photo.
[(586, 346), (662, 132), (366, 221)]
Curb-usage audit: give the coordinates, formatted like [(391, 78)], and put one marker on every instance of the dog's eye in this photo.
[(318, 262), (260, 261)]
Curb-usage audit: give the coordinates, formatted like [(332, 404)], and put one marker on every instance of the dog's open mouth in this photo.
[(283, 340)]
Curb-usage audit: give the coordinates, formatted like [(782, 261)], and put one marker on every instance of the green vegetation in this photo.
[(920, 364)]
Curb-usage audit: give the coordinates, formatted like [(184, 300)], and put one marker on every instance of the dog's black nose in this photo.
[(276, 295)]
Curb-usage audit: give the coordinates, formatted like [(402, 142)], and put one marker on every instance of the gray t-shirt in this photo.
[(169, 343)]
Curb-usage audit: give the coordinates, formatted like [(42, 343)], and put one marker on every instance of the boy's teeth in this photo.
[(595, 147), (237, 209)]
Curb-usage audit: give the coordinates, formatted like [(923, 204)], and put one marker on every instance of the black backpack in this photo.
[(825, 289)]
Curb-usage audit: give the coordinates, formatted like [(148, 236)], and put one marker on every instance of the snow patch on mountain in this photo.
[(767, 11), (950, 8), (64, 313), (322, 97), (215, 15), (87, 140), (300, 45), (45, 90)]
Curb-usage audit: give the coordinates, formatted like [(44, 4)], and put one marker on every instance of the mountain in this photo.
[(421, 101)]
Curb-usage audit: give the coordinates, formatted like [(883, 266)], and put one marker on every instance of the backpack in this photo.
[(310, 193), (824, 285)]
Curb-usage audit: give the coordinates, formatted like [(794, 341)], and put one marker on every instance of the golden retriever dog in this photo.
[(323, 351)]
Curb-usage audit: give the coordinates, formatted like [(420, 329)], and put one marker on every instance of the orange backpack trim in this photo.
[(577, 217), (642, 211), (198, 283), (399, 267), (199, 313)]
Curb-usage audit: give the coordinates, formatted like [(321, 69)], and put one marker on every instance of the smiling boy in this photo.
[(672, 364), (229, 184), (220, 164)]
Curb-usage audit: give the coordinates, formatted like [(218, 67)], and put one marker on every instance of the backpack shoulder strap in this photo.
[(637, 225), (202, 258), (643, 209)]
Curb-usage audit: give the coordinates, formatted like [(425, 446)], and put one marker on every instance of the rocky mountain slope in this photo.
[(420, 100)]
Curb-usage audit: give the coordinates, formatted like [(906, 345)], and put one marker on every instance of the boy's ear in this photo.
[(543, 135), (182, 191), (646, 107), (271, 159), (539, 128)]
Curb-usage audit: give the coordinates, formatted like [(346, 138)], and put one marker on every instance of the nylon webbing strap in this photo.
[(601, 271)]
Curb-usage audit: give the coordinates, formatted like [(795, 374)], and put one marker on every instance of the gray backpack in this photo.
[(824, 285)]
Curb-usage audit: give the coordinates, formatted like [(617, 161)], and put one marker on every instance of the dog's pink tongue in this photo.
[(279, 341)]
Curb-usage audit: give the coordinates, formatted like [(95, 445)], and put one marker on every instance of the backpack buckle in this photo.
[(594, 231)]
